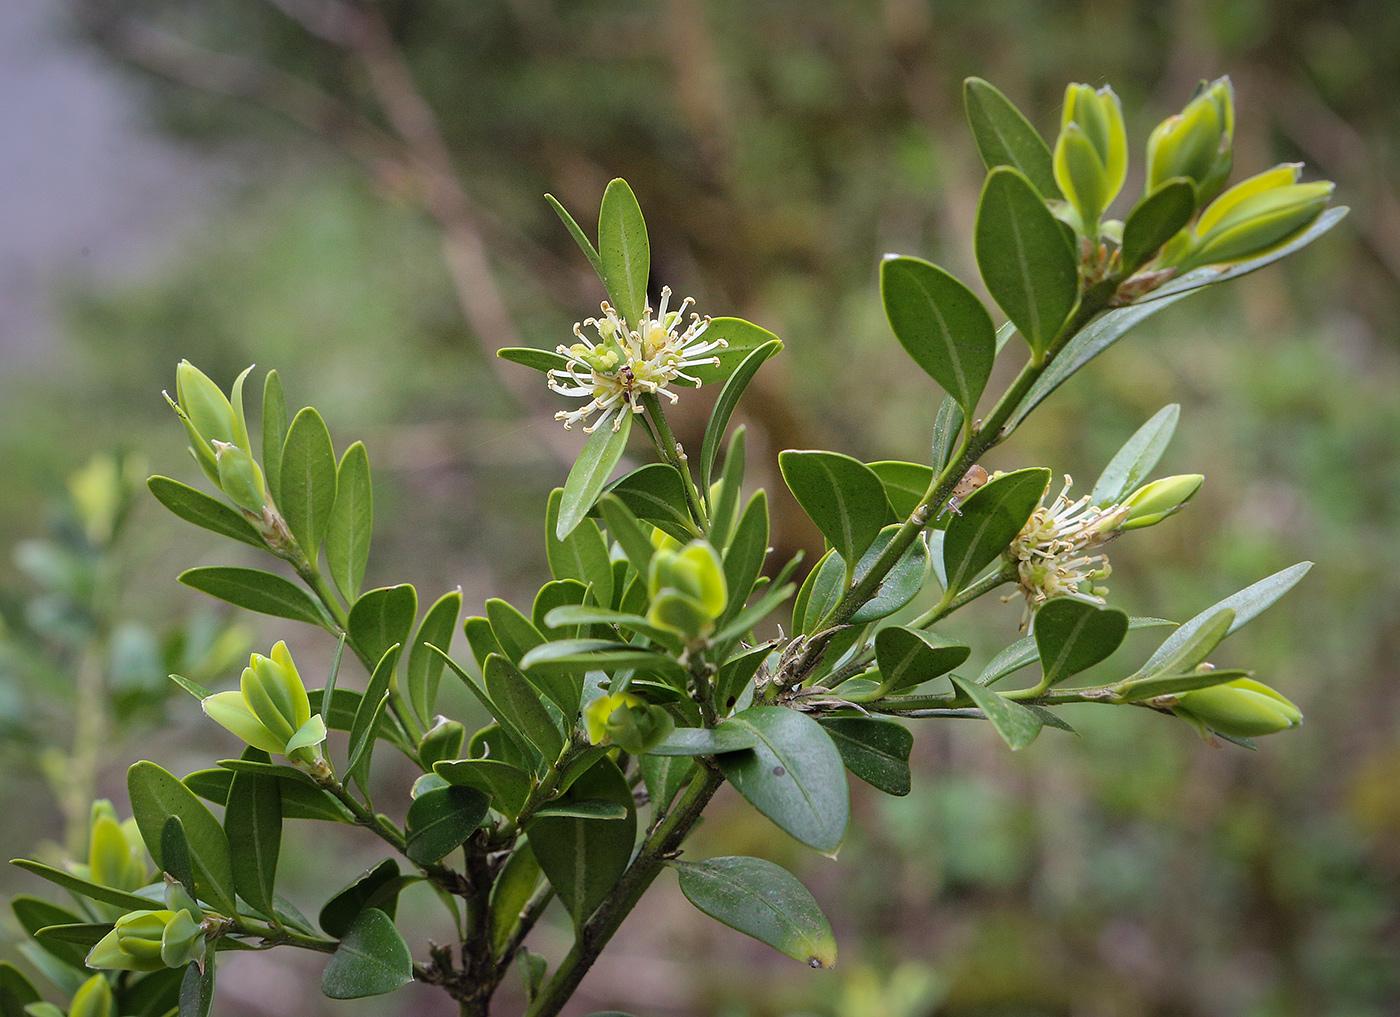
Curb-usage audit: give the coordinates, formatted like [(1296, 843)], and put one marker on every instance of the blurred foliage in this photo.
[(781, 147)]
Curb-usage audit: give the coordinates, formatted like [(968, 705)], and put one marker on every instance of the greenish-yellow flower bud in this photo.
[(1091, 153), (240, 478), (1242, 708), (112, 859), (1197, 143), (442, 741), (687, 588), (1255, 216), (1153, 502), (149, 941), (208, 415), (626, 721), (93, 999), (271, 711)]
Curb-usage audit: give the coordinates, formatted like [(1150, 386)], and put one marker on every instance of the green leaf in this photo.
[(1168, 684), (16, 991), (1024, 258), (743, 337), (441, 819), (794, 776), (909, 657), (507, 785), (543, 361), (947, 426), (736, 673), (274, 430), (664, 777), (424, 666), (941, 325), (306, 494), (623, 251), (1247, 604), (256, 590), (84, 887), (254, 764), (1073, 635), (560, 593), (761, 900), (511, 893), (1134, 461), (298, 800), (901, 585), (175, 852), (253, 824), (727, 736), (1004, 137), (372, 959), (1188, 653), (381, 618), (841, 495), (724, 512), (1021, 653), (364, 729), (518, 706), (991, 518), (570, 655), (581, 555), (905, 484), (625, 528), (35, 915), (579, 236), (727, 402), (583, 858), (656, 493), (744, 557), (515, 633), (377, 888), (196, 507), (1017, 725), (876, 751), (575, 615), (157, 795), (197, 988), (1155, 219), (351, 522), (583, 808)]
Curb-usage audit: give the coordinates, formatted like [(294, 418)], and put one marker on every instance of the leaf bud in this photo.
[(1255, 216), (112, 858), (240, 478), (1153, 502), (208, 415), (1243, 708), (687, 588), (270, 710), (1091, 153), (149, 941), (1197, 143), (93, 999), (442, 741)]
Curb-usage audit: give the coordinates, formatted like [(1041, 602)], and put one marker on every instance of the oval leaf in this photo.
[(624, 253), (377, 888), (351, 522), (156, 795), (1134, 461), (841, 495), (306, 494), (703, 741), (581, 555), (1024, 258), (909, 657), (794, 775), (941, 325), (1004, 137), (761, 900), (595, 464), (991, 518), (1017, 725), (876, 751), (507, 785), (1073, 635), (424, 666), (441, 819), (372, 959), (381, 618), (1155, 220), (253, 824), (258, 591)]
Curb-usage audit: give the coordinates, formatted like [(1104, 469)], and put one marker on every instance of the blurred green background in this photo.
[(366, 216)]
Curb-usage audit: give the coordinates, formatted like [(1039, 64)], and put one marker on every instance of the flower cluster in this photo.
[(626, 363), (1050, 552)]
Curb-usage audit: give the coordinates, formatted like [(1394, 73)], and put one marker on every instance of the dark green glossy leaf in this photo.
[(258, 591), (34, 915), (905, 484), (664, 777), (1017, 725), (703, 741), (16, 991), (441, 819), (744, 557), (382, 618), (590, 472), (1155, 219), (560, 593), (941, 325), (1247, 604), (83, 887), (515, 633), (1134, 461), (900, 585), (581, 554), (725, 510), (351, 522), (909, 657), (583, 858), (841, 495), (656, 493), (624, 254), (727, 402), (175, 853), (1004, 137), (377, 888), (424, 666), (519, 707), (577, 655), (794, 776), (511, 893), (372, 959), (507, 785), (1025, 261), (1073, 635), (196, 507), (876, 751), (253, 824), (625, 528), (736, 673), (991, 518), (274, 430), (761, 900), (155, 796), (367, 716), (580, 238), (583, 808), (306, 494), (743, 337), (537, 360), (255, 763), (947, 426), (298, 800), (197, 988)]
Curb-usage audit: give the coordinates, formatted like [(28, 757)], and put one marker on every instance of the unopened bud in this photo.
[(626, 721), (271, 711), (1153, 502), (443, 741), (1196, 143), (208, 415), (1257, 215), (240, 478), (93, 999), (1242, 708), (1091, 153), (149, 941), (687, 589)]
